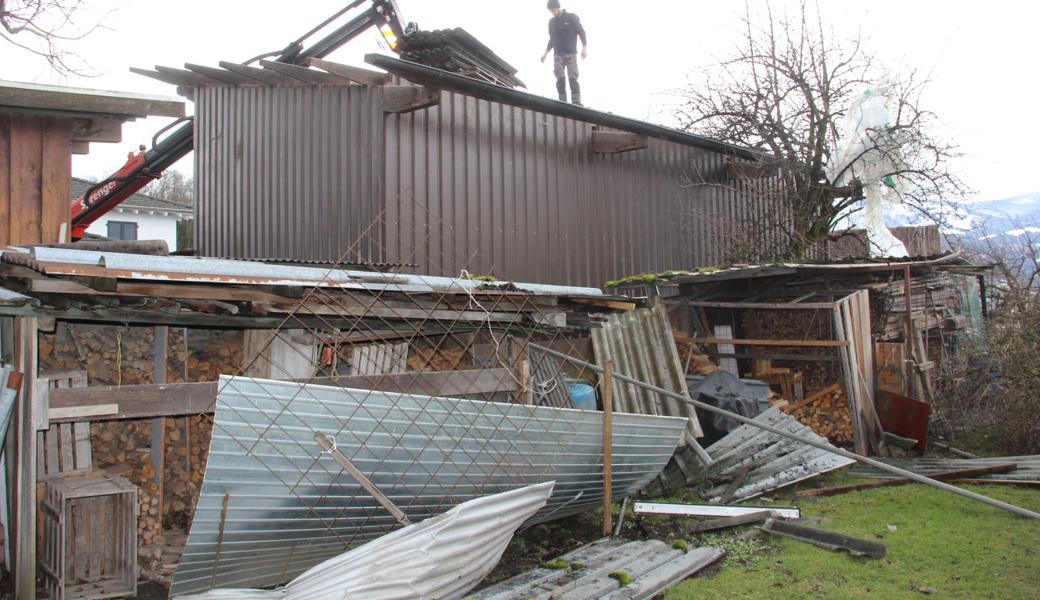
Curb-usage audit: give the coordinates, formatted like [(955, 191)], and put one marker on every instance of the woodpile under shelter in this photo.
[(444, 172)]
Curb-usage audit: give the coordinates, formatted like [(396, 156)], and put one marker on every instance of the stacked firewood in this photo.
[(827, 413), (437, 359), (122, 447), (213, 353), (793, 325), (187, 447), (692, 360)]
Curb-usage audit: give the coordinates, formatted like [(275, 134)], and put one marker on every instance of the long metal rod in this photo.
[(328, 444), (822, 446)]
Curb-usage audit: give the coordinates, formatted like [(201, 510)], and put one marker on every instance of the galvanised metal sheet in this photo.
[(443, 557), (292, 171), (272, 505)]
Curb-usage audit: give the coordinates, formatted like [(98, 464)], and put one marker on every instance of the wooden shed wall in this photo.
[(35, 177)]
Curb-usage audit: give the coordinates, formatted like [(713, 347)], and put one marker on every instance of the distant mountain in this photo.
[(1009, 214)]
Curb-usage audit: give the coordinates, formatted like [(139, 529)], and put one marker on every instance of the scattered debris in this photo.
[(944, 476), (824, 539), (442, 557), (771, 461), (1027, 469), (614, 569), (711, 510), (728, 522)]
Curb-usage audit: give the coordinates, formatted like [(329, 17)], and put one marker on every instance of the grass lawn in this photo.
[(957, 547)]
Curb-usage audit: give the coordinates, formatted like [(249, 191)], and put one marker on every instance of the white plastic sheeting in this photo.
[(870, 153), (443, 557)]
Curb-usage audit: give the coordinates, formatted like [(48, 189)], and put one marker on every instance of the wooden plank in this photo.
[(85, 413), (615, 304), (56, 180), (5, 178), (158, 449), (763, 342), (355, 74), (765, 306), (157, 400), (66, 447), (616, 142), (26, 145), (608, 445), (52, 454), (23, 524), (409, 98), (81, 433)]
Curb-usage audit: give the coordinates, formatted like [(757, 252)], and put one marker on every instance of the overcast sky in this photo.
[(981, 55)]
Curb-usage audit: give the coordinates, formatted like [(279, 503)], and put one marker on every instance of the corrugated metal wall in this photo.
[(301, 172), (506, 191), (288, 172)]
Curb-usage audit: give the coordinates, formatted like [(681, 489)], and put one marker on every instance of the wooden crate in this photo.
[(89, 537)]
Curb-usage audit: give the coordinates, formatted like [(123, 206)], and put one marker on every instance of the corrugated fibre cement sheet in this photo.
[(273, 504)]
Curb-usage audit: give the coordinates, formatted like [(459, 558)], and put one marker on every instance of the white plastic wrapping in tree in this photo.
[(870, 152)]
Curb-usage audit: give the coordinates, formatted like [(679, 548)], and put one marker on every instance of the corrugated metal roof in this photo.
[(443, 557), (288, 507), (195, 269)]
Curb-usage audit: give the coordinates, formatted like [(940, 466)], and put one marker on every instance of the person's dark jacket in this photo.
[(564, 31)]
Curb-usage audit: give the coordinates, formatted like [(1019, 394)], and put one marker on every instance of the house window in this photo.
[(122, 230)]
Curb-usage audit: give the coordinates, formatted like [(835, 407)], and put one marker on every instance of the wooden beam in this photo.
[(69, 99), (170, 400), (158, 448), (355, 74), (616, 142), (765, 306), (408, 98), (303, 73), (80, 147), (752, 342), (607, 382), (264, 75), (615, 304), (23, 525), (97, 130)]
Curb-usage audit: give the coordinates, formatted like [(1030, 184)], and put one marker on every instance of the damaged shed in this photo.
[(449, 173)]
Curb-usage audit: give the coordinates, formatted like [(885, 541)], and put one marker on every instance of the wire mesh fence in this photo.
[(434, 390)]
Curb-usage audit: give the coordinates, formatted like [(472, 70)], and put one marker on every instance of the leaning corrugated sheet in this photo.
[(443, 557), (272, 505), (641, 345)]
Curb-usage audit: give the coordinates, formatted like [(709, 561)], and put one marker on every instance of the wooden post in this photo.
[(909, 339), (608, 409), (159, 423), (23, 526)]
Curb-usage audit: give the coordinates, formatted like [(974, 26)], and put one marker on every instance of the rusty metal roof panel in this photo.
[(272, 505)]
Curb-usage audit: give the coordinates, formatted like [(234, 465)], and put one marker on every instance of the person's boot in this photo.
[(575, 92), (561, 88)]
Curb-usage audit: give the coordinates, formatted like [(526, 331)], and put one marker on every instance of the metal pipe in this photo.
[(438, 78), (822, 446)]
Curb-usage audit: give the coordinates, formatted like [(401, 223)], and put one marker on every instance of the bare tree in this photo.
[(1012, 246), (784, 92), (178, 188), (173, 186), (44, 28)]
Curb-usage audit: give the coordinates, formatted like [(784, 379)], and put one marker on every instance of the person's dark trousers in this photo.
[(565, 67)]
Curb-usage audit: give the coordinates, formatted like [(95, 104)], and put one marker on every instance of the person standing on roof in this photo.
[(564, 30)]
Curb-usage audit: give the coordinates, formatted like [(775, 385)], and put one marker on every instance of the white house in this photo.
[(139, 217)]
